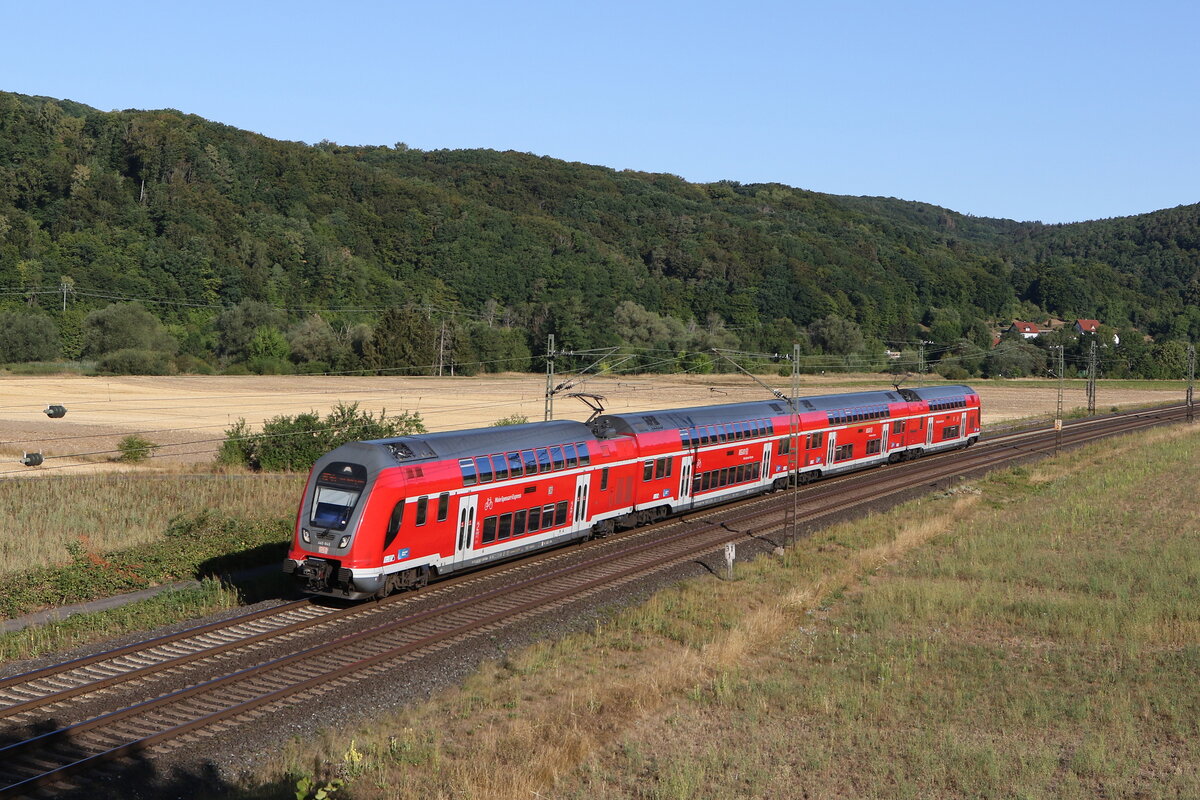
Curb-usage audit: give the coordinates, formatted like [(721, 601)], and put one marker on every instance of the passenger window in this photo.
[(560, 514), (685, 438), (543, 456), (489, 530), (499, 468), (505, 527), (647, 470), (470, 475), (585, 457), (569, 452), (530, 462), (519, 523), (535, 519), (548, 516), (443, 506), (485, 469), (556, 454), (422, 505), (514, 465), (604, 479), (712, 435)]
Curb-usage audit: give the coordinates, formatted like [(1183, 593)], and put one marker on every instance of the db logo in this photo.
[(487, 504)]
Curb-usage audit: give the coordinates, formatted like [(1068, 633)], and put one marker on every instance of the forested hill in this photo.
[(194, 218)]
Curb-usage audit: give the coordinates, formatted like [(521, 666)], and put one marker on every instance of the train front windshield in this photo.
[(338, 488), (332, 507)]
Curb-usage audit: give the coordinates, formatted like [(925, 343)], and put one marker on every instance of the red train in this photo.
[(383, 515)]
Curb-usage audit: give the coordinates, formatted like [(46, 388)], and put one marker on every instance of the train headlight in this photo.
[(304, 535), (345, 540)]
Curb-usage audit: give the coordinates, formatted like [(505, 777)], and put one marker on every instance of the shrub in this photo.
[(192, 365), (953, 372), (515, 419), (295, 443), (26, 337), (137, 362), (135, 448)]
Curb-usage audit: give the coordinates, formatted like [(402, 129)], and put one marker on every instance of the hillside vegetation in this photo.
[(275, 256)]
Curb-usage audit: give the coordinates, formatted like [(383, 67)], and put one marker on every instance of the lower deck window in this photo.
[(844, 452), (489, 530), (874, 446)]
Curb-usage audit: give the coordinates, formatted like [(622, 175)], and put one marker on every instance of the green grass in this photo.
[(1034, 634), (210, 596), (43, 519)]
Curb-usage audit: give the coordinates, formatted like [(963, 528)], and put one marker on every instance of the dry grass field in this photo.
[(187, 415), (1032, 634)]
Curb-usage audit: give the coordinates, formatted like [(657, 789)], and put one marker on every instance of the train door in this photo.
[(928, 431), (962, 425), (685, 480), (582, 485), (766, 469), (829, 451), (466, 527)]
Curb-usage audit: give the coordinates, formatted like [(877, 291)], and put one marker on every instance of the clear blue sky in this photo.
[(1057, 111)]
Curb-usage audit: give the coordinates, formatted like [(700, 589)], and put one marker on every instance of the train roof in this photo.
[(480, 441), (674, 418)]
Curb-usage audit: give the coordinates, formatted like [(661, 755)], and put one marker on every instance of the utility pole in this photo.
[(1058, 416), (1091, 385), (549, 413), (442, 348), (1191, 413), (794, 446), (921, 360)]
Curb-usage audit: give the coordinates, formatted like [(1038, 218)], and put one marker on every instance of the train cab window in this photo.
[(489, 530), (515, 468), (393, 527), (332, 507), (499, 467), (469, 473), (556, 454), (585, 457), (535, 519), (422, 507), (604, 479), (572, 458), (504, 530), (530, 460), (647, 470), (543, 456), (443, 506), (519, 523), (484, 465), (560, 514)]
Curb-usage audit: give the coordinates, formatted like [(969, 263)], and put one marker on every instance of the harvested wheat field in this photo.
[(187, 415)]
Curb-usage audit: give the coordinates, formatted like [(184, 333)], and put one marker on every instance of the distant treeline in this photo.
[(158, 241)]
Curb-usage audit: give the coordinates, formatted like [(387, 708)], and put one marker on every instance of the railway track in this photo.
[(59, 724)]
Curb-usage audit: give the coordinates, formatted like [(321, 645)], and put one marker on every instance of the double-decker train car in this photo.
[(389, 514)]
